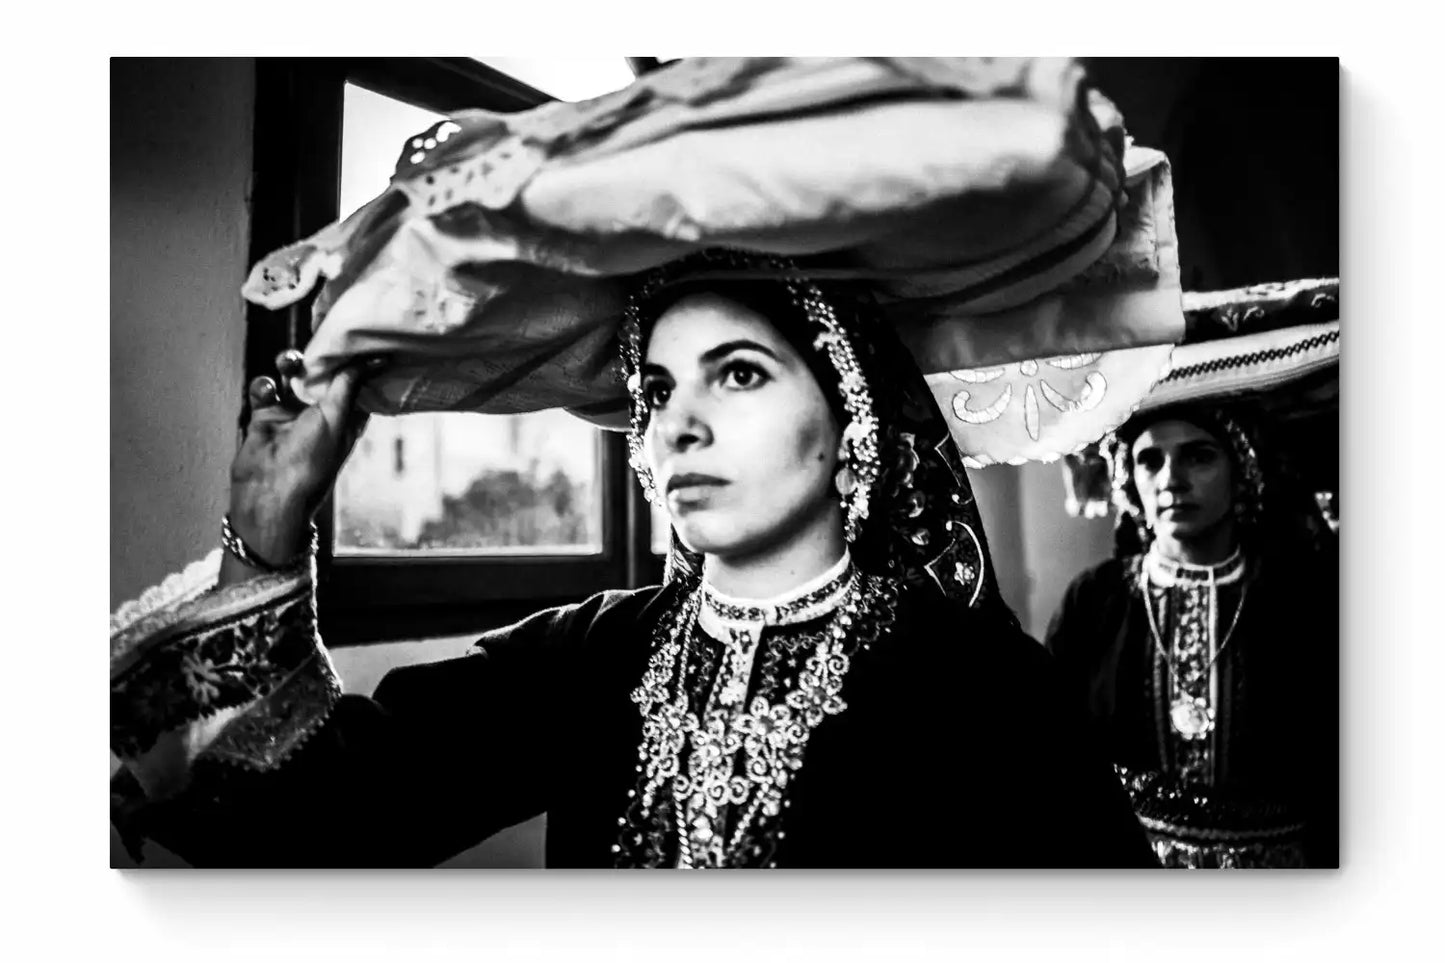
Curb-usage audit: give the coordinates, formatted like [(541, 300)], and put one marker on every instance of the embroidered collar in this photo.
[(723, 616), (1167, 572)]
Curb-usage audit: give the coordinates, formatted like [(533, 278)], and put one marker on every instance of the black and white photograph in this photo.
[(725, 463)]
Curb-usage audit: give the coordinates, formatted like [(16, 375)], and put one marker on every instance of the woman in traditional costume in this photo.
[(827, 678), (1207, 650)]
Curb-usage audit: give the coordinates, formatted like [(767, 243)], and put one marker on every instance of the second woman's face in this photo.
[(1184, 479), (740, 438)]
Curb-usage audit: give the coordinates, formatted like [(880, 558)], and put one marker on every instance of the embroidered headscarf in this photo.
[(910, 513), (1269, 504)]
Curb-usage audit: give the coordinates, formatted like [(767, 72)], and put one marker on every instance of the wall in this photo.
[(1056, 547), (180, 171), (997, 490), (1037, 548)]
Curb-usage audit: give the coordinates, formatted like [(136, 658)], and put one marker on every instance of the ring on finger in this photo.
[(264, 392)]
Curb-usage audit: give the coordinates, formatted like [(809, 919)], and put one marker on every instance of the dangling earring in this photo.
[(1144, 528), (845, 480)]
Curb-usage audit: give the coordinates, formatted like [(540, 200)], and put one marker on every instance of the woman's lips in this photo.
[(693, 480), (692, 489)]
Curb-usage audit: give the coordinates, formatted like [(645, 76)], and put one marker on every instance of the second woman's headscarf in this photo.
[(921, 523), (1270, 504)]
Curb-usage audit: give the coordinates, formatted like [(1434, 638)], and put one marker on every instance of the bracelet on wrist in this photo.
[(236, 545)]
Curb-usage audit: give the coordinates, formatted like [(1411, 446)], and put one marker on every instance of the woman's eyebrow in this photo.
[(728, 347)]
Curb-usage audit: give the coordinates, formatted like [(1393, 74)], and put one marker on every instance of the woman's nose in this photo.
[(681, 425), (1170, 478)]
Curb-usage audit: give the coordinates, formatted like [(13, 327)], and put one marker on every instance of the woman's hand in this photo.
[(290, 457)]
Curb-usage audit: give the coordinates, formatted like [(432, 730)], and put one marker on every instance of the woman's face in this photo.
[(740, 438), (1184, 478)]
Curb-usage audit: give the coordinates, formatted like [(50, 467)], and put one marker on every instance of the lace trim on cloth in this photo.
[(222, 663), (276, 725), (187, 598), (240, 668), (131, 619)]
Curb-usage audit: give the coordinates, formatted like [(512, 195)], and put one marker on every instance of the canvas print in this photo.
[(731, 462)]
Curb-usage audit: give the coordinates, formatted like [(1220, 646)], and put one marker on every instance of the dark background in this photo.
[(1254, 146)]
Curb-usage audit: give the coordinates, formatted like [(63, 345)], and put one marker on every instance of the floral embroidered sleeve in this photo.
[(237, 674), (240, 749)]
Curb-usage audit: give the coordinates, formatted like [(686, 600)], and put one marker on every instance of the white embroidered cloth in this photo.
[(985, 200)]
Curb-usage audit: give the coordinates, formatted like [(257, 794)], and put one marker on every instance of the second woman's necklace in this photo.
[(1196, 647)]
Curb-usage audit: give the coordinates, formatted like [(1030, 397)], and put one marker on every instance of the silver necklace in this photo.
[(1190, 712), (691, 757)]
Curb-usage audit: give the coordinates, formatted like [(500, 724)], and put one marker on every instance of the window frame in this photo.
[(296, 192)]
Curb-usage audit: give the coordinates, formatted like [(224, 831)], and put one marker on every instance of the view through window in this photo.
[(456, 483), (566, 78)]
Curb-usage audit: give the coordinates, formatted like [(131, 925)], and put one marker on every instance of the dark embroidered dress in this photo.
[(956, 749), (1262, 788), (1215, 689)]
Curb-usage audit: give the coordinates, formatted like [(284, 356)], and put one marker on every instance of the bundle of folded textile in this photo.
[(1272, 347), (992, 206)]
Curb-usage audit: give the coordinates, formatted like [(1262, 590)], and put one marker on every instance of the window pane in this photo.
[(456, 482), (567, 78), (373, 130)]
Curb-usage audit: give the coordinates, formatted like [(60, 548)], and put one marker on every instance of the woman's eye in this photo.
[(740, 374), (656, 393)]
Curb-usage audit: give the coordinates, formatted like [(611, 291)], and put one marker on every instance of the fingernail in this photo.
[(263, 391)]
